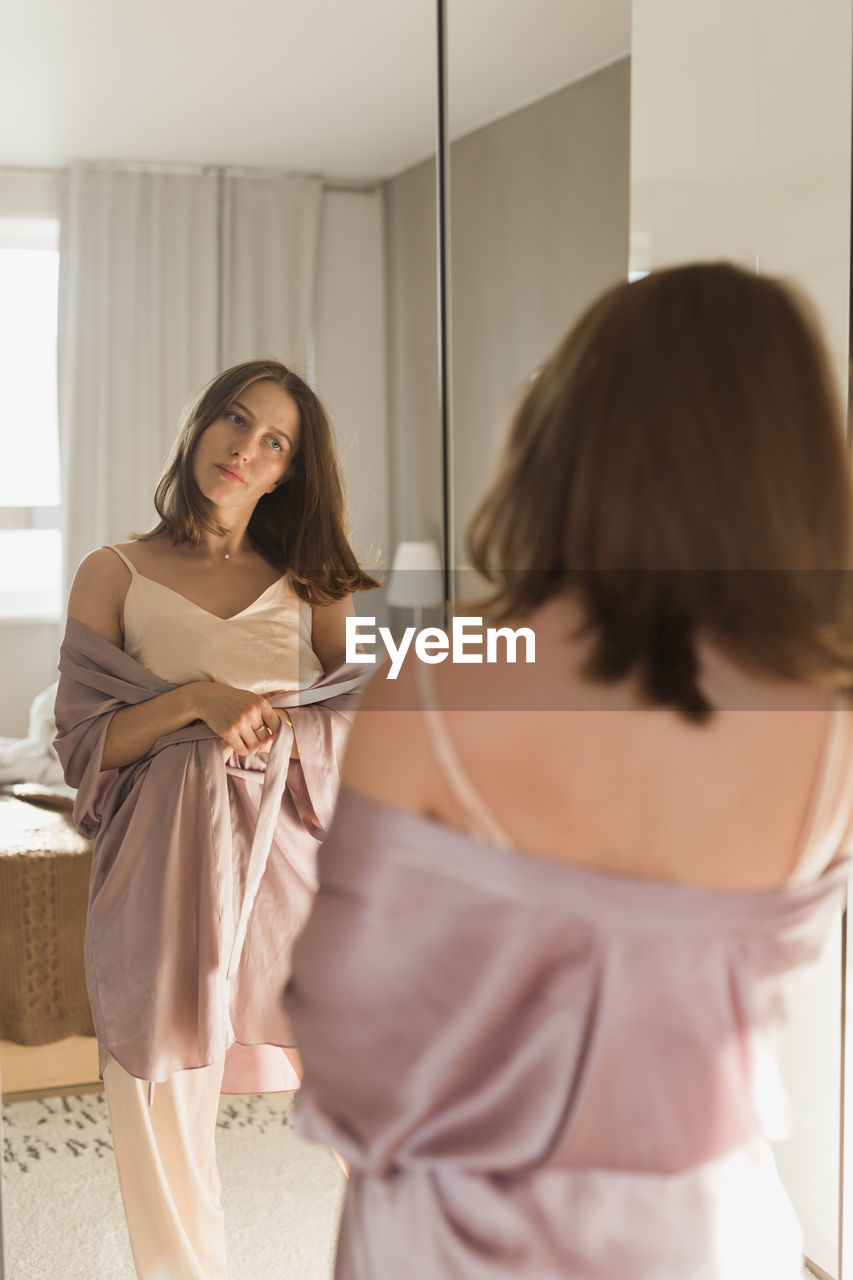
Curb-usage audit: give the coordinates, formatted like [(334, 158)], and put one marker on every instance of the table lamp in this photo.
[(415, 578)]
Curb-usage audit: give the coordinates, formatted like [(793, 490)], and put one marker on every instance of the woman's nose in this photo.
[(243, 446)]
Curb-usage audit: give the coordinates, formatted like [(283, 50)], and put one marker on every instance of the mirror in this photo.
[(343, 94)]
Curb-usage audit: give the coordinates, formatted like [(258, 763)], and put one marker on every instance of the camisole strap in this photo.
[(480, 821), (831, 802), (123, 557)]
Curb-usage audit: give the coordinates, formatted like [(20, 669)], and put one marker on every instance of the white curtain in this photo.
[(165, 278), (270, 234)]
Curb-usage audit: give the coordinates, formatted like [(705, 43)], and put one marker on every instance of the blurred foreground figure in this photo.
[(560, 904)]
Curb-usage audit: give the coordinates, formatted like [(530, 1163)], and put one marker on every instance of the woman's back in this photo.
[(585, 773), (569, 1068)]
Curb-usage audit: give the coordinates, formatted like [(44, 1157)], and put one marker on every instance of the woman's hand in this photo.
[(285, 719), (244, 721)]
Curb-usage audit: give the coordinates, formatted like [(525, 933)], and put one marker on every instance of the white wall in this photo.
[(740, 149), (740, 142)]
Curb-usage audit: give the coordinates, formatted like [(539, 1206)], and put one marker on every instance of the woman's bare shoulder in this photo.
[(101, 568), (97, 594)]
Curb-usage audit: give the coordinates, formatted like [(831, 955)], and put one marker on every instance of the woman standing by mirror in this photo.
[(201, 710)]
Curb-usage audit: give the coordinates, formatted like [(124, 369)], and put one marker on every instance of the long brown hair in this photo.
[(299, 528), (679, 465)]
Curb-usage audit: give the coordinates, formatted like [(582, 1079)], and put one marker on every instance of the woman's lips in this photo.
[(229, 473)]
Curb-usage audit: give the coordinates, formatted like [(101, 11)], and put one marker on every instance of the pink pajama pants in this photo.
[(166, 1160)]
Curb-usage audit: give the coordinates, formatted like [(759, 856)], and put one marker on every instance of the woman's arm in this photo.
[(97, 600), (328, 630)]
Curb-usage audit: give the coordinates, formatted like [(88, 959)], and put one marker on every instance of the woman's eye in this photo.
[(237, 419), (276, 443)]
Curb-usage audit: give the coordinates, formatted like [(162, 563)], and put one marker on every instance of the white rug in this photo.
[(62, 1214)]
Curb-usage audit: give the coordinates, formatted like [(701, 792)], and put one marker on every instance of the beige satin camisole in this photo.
[(265, 648)]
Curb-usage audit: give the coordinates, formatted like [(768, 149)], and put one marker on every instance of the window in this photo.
[(30, 544)]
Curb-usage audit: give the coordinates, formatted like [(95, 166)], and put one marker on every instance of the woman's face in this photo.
[(246, 452)]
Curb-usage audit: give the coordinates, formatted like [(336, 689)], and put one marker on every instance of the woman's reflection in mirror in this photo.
[(201, 711)]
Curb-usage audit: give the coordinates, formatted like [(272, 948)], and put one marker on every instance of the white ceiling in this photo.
[(341, 88)]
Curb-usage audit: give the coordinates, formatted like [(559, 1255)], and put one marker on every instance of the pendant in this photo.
[(227, 555)]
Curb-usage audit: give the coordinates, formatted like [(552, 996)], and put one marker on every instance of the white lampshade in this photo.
[(415, 578)]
